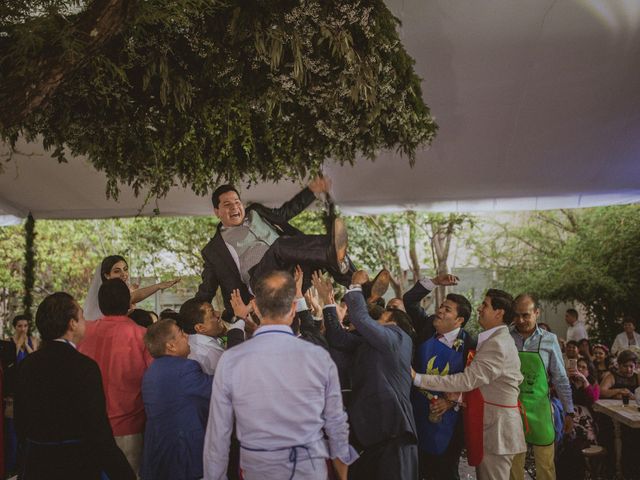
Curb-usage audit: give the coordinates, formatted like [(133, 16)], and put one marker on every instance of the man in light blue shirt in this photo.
[(528, 337), (284, 395)]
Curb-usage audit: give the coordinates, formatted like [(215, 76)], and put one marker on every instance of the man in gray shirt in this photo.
[(253, 242)]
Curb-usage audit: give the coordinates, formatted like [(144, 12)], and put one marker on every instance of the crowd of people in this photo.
[(293, 380)]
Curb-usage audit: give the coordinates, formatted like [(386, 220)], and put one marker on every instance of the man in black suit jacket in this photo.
[(446, 326), (60, 411), (380, 410), (250, 243)]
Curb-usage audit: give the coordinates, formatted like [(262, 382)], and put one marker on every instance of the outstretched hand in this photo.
[(311, 295), (320, 184), (359, 278), (169, 283), (323, 287), (298, 275), (240, 310), (445, 280)]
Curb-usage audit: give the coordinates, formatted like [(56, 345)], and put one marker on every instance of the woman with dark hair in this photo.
[(142, 317), (623, 382), (23, 341), (584, 348), (585, 393), (115, 266), (601, 361), (544, 326)]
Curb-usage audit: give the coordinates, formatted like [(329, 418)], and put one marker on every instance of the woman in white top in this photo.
[(628, 339), (115, 266)]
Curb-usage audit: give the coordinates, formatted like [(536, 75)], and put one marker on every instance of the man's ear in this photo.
[(459, 322), (198, 327), (254, 305), (169, 347)]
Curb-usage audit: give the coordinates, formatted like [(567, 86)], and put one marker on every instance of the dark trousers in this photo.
[(311, 252), (440, 467), (444, 466), (395, 459)]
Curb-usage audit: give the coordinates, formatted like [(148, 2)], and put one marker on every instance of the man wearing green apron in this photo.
[(540, 363)]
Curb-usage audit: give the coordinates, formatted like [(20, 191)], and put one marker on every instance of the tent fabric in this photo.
[(538, 105)]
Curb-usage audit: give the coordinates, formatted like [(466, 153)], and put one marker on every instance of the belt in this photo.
[(520, 407), (293, 454)]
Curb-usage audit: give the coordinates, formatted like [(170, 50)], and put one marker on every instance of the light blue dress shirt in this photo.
[(551, 355), (283, 392)]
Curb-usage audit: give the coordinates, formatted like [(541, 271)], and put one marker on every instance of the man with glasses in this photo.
[(541, 362)]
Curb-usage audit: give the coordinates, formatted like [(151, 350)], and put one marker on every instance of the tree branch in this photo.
[(99, 23)]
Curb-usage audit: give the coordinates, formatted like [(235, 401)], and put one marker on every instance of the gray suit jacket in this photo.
[(380, 407), (495, 370)]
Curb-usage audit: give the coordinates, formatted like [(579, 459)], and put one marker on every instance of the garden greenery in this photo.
[(196, 92)]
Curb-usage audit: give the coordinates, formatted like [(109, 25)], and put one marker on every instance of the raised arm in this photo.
[(375, 334), (140, 294), (337, 337), (423, 322)]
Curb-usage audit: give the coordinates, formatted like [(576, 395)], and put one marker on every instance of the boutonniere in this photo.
[(470, 355), (458, 344)]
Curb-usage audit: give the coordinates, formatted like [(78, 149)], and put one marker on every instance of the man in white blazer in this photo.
[(495, 372)]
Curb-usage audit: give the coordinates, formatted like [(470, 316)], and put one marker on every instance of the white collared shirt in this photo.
[(64, 340), (206, 351), (450, 337), (484, 335)]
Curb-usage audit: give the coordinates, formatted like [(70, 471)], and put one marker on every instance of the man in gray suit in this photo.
[(494, 376), (380, 410)]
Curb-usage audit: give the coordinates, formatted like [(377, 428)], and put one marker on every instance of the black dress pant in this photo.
[(311, 252), (444, 466), (395, 459)]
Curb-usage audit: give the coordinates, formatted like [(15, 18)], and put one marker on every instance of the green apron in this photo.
[(534, 396)]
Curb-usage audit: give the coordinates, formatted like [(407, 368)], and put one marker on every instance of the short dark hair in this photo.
[(169, 314), (141, 317), (191, 314), (108, 263), (275, 293), (591, 377), (375, 311), (573, 312), (54, 313), (157, 337), (545, 326), (221, 190), (22, 316), (463, 306), (627, 356), (531, 296), (624, 320), (501, 300), (403, 321), (572, 342), (114, 297)]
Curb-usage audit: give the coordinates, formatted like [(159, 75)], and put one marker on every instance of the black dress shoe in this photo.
[(338, 248), (379, 286)]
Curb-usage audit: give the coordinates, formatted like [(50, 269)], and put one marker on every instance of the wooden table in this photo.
[(619, 414)]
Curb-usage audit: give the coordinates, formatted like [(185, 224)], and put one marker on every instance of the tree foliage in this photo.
[(199, 91), (587, 256)]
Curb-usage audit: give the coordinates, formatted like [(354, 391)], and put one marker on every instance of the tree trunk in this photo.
[(413, 255), (99, 23)]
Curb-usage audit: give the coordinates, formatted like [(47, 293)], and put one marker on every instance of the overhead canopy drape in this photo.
[(538, 106)]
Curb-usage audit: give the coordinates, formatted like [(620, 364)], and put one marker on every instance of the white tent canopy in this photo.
[(538, 105)]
